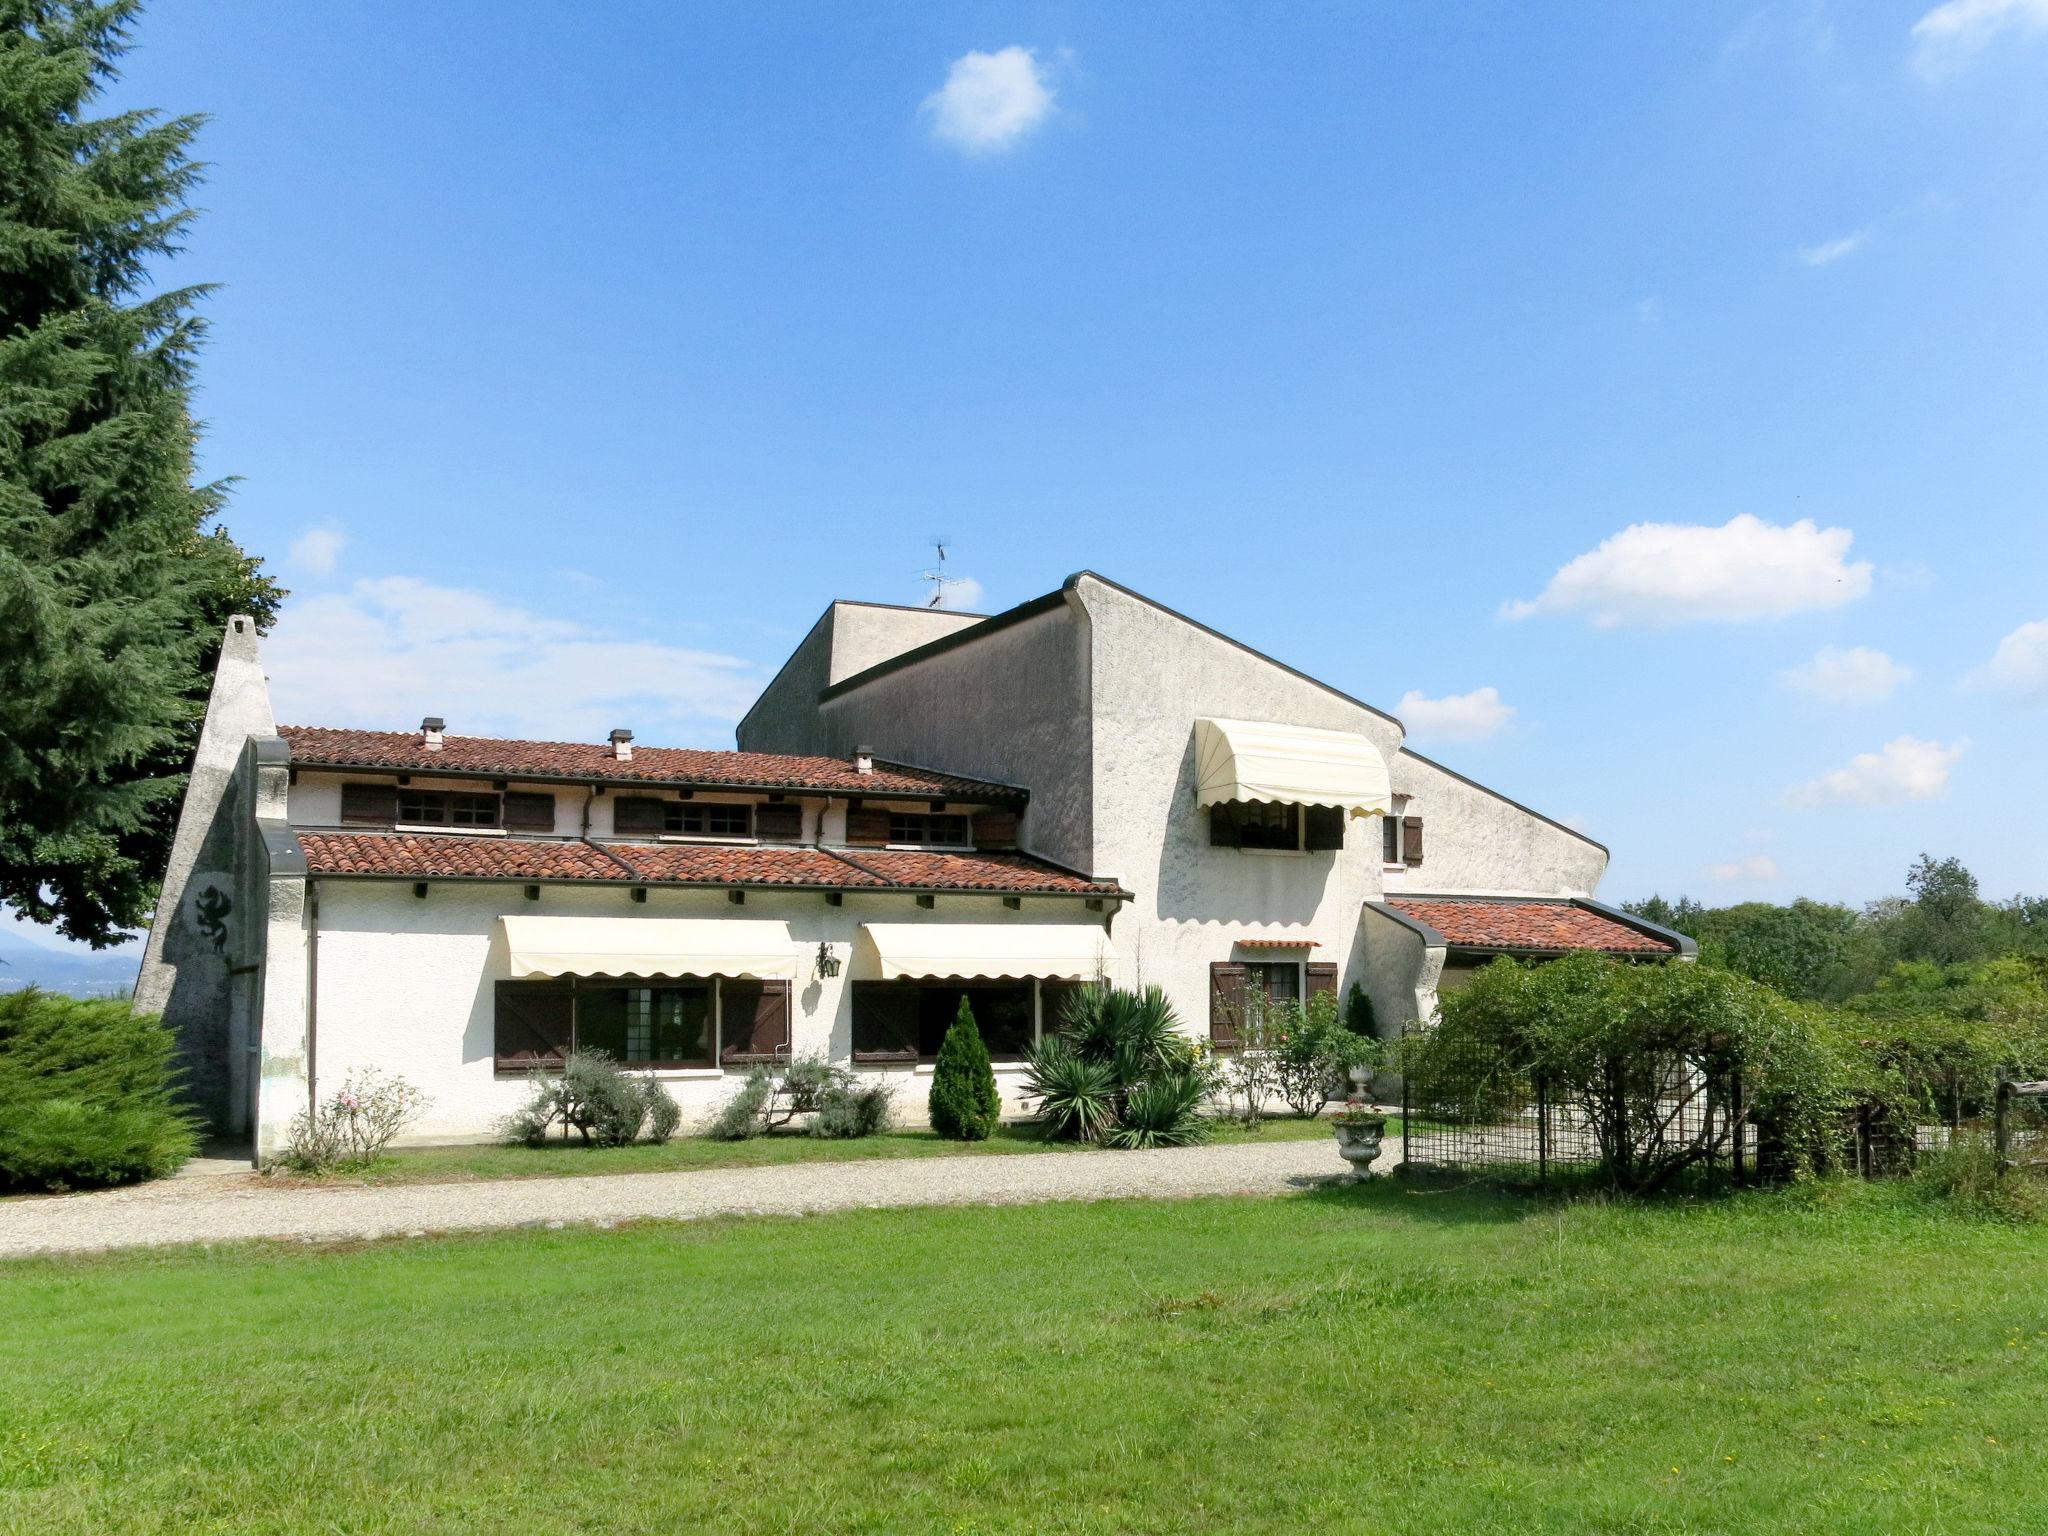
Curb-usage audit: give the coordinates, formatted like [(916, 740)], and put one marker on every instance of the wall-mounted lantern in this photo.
[(828, 963)]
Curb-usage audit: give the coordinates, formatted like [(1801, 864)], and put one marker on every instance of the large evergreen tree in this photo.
[(113, 586)]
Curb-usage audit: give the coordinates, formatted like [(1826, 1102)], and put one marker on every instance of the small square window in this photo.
[(691, 819), (920, 827), (433, 808)]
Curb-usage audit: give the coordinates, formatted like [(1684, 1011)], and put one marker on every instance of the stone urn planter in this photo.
[(1359, 1133)]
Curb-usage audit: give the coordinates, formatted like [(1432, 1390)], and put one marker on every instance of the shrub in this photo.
[(352, 1129), (964, 1102), (88, 1093), (664, 1114), (1077, 1098), (744, 1116), (1358, 1013), (850, 1110), (1314, 1050), (595, 1099), (1164, 1111), (1968, 1177)]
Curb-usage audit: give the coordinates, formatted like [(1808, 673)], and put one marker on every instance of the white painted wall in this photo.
[(406, 985)]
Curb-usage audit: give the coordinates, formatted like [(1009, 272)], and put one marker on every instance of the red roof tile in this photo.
[(429, 856), (1010, 873), (1478, 923), (487, 757)]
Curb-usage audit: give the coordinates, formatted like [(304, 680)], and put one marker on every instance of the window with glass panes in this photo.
[(440, 808), (669, 1025), (908, 1020), (691, 819), (1278, 980), (1267, 824), (926, 827)]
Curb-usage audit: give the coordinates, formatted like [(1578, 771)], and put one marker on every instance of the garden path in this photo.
[(221, 1210)]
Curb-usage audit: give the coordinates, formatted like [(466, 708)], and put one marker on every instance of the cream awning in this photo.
[(649, 946), (1050, 951), (1291, 764)]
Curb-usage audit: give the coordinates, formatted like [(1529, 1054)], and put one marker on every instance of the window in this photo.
[(1390, 838), (1265, 824), (920, 827), (907, 1020), (690, 819), (1278, 980), (436, 808), (692, 1022)]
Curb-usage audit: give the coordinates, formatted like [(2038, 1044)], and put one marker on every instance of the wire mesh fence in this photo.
[(1469, 1108), (2020, 1127)]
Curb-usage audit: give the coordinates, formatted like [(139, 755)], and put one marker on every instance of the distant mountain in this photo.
[(79, 972)]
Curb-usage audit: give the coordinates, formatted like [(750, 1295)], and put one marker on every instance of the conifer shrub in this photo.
[(964, 1103), (88, 1093)]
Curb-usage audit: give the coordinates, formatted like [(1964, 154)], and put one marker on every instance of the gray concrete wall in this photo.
[(1011, 705), (848, 638), (207, 937)]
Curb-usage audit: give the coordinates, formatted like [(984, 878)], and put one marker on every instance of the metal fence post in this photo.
[(1542, 1130)]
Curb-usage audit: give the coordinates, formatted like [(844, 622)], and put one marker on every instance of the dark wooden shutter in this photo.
[(754, 1020), (526, 811), (885, 1019), (532, 1025), (636, 816), (1226, 1004), (1325, 828), (369, 805), (779, 823), (1411, 839), (867, 828), (1223, 825), (995, 829), (1322, 978)]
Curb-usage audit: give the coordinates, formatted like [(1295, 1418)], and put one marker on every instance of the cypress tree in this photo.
[(113, 586), (964, 1103)]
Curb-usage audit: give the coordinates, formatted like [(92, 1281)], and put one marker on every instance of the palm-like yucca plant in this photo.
[(1164, 1111), (1076, 1097)]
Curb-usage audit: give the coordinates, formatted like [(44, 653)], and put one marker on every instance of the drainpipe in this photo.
[(312, 996)]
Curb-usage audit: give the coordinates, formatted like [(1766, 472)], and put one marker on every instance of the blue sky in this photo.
[(560, 344)]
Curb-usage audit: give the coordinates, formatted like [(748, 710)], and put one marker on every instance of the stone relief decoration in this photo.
[(212, 907)]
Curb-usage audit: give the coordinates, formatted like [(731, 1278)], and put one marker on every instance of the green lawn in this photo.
[(437, 1164), (1370, 1360)]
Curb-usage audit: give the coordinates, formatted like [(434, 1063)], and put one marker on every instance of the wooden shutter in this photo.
[(885, 1016), (867, 828), (779, 823), (1411, 839), (1325, 828), (369, 805), (526, 811), (753, 1020), (636, 816), (1223, 825), (1322, 978), (533, 1024), (1226, 1003), (995, 829)]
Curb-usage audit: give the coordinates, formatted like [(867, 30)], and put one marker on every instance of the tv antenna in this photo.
[(937, 576)]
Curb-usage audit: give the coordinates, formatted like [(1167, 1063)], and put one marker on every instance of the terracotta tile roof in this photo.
[(1010, 873), (429, 856), (413, 856), (1478, 923), (487, 757)]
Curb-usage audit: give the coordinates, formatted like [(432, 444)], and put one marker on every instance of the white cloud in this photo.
[(1756, 866), (1905, 768), (2019, 666), (317, 549), (1470, 716), (388, 651), (1952, 34), (960, 592), (1858, 675), (1670, 573), (990, 101), (1832, 250)]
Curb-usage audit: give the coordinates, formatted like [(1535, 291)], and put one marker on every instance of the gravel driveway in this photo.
[(227, 1210)]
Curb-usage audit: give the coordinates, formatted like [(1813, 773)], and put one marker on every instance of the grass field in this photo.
[(560, 1160), (1355, 1360)]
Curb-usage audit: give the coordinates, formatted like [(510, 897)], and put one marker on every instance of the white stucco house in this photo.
[(922, 803)]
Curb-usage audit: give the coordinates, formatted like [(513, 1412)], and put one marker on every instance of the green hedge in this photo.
[(88, 1094)]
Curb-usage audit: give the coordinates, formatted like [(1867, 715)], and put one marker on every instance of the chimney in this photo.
[(863, 759), (430, 732), (622, 745)]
